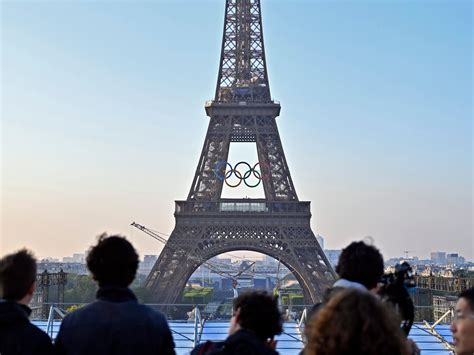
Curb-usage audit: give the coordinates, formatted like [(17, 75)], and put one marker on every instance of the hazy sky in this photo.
[(102, 117)]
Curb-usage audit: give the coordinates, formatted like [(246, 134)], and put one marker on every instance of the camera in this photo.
[(394, 290)]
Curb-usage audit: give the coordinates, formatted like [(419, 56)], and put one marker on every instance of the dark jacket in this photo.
[(115, 324), (17, 335), (242, 342)]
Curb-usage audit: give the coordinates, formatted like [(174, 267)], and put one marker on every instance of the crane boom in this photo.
[(202, 261), (149, 232)]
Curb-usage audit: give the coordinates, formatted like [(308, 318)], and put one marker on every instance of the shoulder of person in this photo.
[(209, 348), (41, 342), (89, 310), (153, 315), (251, 349)]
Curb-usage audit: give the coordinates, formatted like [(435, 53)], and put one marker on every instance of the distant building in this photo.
[(227, 261), (79, 258), (455, 259), (70, 268), (260, 283), (268, 260), (333, 256), (49, 259), (320, 239), (438, 257), (75, 258), (147, 264)]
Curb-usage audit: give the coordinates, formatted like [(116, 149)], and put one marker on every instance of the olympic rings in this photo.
[(265, 170), (221, 172)]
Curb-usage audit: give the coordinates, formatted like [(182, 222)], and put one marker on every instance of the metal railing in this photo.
[(188, 333), (302, 320), (196, 317), (50, 323), (181, 312), (211, 102), (453, 285), (431, 329), (248, 206), (198, 326)]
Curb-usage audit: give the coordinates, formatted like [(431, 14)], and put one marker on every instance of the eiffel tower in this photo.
[(207, 224)]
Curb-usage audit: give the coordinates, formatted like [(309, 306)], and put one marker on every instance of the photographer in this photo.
[(361, 267), (394, 290)]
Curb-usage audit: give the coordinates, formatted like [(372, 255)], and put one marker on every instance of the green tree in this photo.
[(74, 307), (143, 294), (80, 289)]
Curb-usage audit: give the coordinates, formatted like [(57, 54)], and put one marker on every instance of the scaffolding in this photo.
[(446, 284), (42, 297)]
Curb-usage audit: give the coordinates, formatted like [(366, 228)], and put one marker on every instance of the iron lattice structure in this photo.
[(208, 225), (243, 70), (41, 298)]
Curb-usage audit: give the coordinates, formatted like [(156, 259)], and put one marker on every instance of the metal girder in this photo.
[(235, 124), (206, 224), (289, 240), (243, 70)]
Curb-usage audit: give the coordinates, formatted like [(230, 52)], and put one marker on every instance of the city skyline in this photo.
[(235, 257), (102, 124)]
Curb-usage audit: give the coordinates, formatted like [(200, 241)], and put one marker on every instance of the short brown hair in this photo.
[(113, 261), (17, 274), (355, 322)]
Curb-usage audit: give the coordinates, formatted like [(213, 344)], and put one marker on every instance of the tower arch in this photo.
[(207, 224)]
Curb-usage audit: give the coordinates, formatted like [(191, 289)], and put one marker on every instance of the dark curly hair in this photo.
[(17, 274), (361, 263), (468, 295), (113, 261), (355, 322), (258, 312)]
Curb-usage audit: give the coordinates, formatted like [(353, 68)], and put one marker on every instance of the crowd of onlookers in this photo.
[(350, 319)]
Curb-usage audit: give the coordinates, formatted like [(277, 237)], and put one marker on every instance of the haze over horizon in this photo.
[(102, 118)]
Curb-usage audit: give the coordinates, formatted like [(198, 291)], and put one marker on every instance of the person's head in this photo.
[(113, 261), (18, 276), (361, 263), (354, 322), (463, 324), (258, 312)]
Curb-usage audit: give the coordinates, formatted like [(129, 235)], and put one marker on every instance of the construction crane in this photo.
[(210, 265)]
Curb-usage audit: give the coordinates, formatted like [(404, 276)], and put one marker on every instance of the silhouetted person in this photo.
[(254, 324), (355, 322), (360, 266), (115, 323), (463, 323), (17, 285)]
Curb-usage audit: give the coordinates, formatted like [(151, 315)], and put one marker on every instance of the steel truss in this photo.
[(208, 225)]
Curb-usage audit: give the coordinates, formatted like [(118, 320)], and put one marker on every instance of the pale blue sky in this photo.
[(103, 119)]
